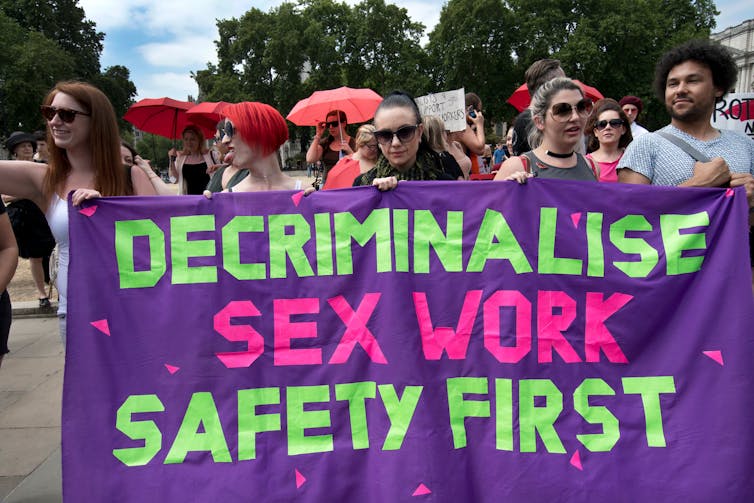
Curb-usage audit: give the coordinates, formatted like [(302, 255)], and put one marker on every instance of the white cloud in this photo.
[(171, 84), (189, 50)]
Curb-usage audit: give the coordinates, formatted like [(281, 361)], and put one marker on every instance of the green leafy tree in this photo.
[(612, 46), (471, 47), (382, 50), (155, 149), (30, 64), (64, 22), (115, 82)]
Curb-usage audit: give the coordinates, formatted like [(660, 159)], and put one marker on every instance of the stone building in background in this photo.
[(740, 40)]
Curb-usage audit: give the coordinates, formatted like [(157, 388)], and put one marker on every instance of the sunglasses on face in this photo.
[(613, 123), (226, 130), (562, 112), (333, 123), (372, 146), (66, 114), (404, 134)]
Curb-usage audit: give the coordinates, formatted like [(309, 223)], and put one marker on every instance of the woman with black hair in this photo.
[(405, 154)]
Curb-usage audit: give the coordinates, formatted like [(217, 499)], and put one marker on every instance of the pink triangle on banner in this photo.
[(300, 479), (575, 217), (172, 368), (715, 355), (296, 198), (89, 210), (102, 326), (421, 490), (576, 461), (728, 192)]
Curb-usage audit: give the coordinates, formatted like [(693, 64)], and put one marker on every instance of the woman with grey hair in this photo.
[(559, 114)]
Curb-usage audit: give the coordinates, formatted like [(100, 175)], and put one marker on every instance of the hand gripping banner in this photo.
[(556, 341)]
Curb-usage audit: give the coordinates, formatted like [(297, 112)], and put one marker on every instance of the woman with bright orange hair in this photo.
[(256, 132), (84, 148)]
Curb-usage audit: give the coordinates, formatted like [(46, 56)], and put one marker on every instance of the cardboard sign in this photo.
[(448, 106)]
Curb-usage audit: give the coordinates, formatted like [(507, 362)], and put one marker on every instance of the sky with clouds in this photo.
[(161, 42)]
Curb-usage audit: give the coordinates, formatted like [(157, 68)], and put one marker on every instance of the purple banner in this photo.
[(485, 341)]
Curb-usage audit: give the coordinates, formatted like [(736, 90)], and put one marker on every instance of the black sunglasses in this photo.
[(66, 114), (614, 123), (225, 129), (333, 123), (562, 112), (404, 134)]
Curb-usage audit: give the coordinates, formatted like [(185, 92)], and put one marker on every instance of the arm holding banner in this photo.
[(510, 167)]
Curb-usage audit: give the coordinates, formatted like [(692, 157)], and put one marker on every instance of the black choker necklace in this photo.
[(559, 156)]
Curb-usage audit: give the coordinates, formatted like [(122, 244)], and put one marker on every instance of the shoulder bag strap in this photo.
[(683, 145)]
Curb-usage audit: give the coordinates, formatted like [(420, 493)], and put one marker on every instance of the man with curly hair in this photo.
[(690, 79)]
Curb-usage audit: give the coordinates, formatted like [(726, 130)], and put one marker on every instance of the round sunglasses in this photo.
[(404, 134), (613, 123), (562, 112), (66, 114)]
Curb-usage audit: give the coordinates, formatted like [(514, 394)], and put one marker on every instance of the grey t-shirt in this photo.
[(666, 164)]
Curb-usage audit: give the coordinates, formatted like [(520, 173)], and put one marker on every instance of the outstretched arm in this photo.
[(23, 180)]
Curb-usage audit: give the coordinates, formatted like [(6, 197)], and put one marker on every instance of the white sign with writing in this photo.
[(735, 112), (450, 106)]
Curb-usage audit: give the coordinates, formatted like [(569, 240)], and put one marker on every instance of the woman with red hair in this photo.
[(256, 132)]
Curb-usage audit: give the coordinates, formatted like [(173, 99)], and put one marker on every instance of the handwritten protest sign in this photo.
[(735, 111), (556, 341), (448, 106)]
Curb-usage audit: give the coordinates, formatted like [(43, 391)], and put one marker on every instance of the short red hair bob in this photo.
[(258, 124)]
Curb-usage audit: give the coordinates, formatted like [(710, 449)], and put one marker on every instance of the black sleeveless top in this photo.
[(195, 177)]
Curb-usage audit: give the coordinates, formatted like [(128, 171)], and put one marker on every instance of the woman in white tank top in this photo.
[(84, 147)]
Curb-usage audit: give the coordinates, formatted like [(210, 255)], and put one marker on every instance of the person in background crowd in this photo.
[(690, 79), (84, 146), (228, 175), (41, 155), (472, 138), (608, 136), (33, 236), (509, 143), (8, 263), (437, 138), (559, 113), (347, 169), (537, 74), (498, 156), (192, 166), (406, 155), (632, 107), (487, 158), (333, 147), (135, 180)]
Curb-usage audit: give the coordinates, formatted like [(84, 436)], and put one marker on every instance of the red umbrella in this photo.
[(207, 114), (162, 116), (358, 104), (520, 98)]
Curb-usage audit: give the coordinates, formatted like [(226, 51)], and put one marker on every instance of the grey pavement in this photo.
[(31, 386)]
